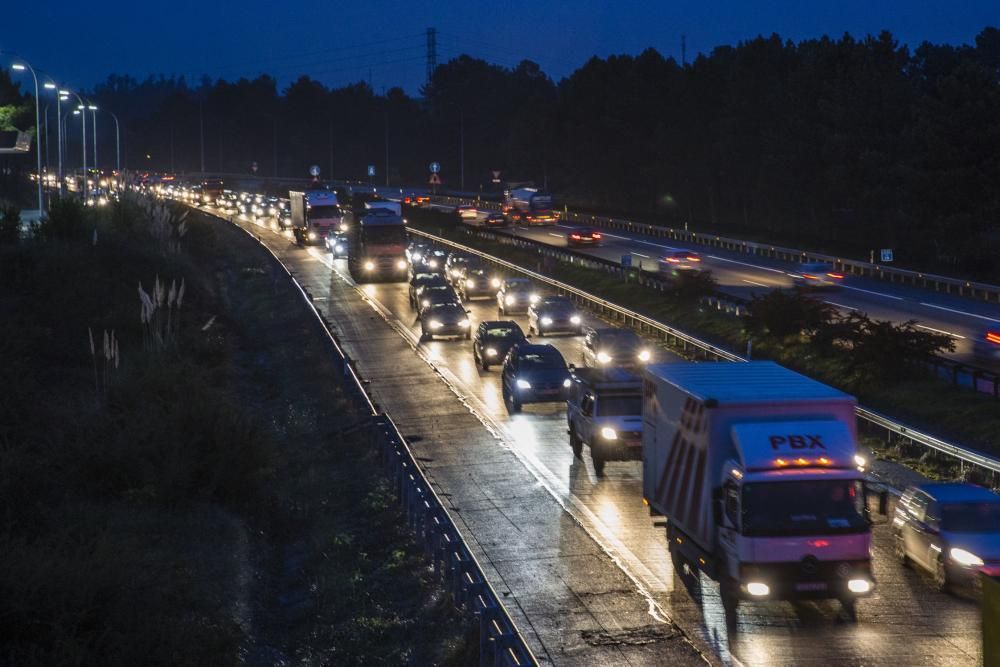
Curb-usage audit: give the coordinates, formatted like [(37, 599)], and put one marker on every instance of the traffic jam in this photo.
[(755, 470)]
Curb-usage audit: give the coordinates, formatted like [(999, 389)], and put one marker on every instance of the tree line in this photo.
[(843, 145)]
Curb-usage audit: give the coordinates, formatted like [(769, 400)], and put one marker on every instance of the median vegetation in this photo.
[(881, 363), (183, 480)]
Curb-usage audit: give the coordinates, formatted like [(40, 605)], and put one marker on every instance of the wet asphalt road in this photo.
[(578, 560)]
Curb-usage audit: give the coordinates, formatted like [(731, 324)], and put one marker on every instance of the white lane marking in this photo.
[(839, 305), (868, 291), (940, 331), (752, 266), (615, 236), (639, 254), (655, 245), (752, 282), (558, 236), (959, 312)]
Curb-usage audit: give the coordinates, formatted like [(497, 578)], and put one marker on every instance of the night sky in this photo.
[(81, 43)]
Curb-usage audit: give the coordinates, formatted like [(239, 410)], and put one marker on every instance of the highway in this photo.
[(583, 567), (742, 276)]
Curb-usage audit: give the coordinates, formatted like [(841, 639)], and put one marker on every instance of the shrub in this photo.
[(68, 220), (10, 222)]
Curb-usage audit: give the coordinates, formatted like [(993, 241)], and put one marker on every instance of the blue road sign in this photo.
[(371, 170), (886, 254), (435, 167), (627, 261)]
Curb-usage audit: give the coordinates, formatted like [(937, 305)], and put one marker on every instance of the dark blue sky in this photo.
[(83, 42)]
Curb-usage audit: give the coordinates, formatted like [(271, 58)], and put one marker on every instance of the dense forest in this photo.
[(838, 144)]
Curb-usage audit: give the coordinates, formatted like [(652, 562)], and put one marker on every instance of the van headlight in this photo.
[(312, 236), (435, 324), (758, 589), (491, 352), (369, 265), (533, 298), (338, 248), (523, 384), (470, 283), (965, 558), (859, 586), (416, 256), (495, 282), (604, 357), (546, 321), (609, 433), (401, 264), (464, 324), (509, 299), (643, 355), (575, 319), (567, 383), (433, 263)]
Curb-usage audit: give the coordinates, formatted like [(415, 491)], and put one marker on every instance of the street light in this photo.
[(20, 67)]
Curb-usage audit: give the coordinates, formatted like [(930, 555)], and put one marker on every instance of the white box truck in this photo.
[(756, 470)]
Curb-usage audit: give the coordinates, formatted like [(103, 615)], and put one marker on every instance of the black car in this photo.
[(336, 244), (554, 314), (431, 295), (415, 252), (495, 219), (493, 340), (515, 295), (455, 263), (583, 236), (444, 319), (614, 348), (431, 261), (534, 374), (476, 282), (421, 279)]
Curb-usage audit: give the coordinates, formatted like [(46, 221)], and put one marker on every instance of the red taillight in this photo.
[(694, 259), (838, 276), (993, 337), (818, 544), (673, 260), (808, 276), (574, 236), (596, 235)]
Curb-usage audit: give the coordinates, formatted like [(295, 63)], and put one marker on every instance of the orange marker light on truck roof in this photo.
[(993, 337), (780, 462)]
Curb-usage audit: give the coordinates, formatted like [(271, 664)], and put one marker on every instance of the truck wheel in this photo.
[(730, 600), (598, 463), (575, 444)]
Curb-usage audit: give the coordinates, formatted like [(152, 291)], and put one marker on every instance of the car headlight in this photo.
[(523, 384), (609, 433), (416, 256), (425, 303), (509, 299), (575, 319), (566, 383), (965, 558), (491, 352), (859, 586), (435, 324), (643, 355), (758, 589), (533, 298), (343, 226), (470, 283), (546, 321), (495, 282), (433, 263), (369, 265), (338, 248), (312, 236), (604, 357), (464, 324), (401, 264)]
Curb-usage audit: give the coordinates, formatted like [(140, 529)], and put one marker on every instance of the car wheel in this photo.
[(468, 335), (575, 443), (424, 337), (942, 581), (598, 462), (899, 547), (850, 607), (541, 334)]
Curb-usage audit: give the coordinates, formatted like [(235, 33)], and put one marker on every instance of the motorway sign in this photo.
[(435, 167), (496, 176), (253, 166), (886, 254), (627, 261), (371, 170), (434, 179), (314, 170)]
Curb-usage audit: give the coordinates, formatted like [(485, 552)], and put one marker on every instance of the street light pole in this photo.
[(93, 117), (21, 66), (82, 109)]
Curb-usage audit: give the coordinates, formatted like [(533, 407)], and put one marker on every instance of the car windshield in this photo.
[(444, 310), (619, 406), (555, 304), (539, 360), (518, 287), (971, 517), (504, 332), (620, 340), (813, 507)]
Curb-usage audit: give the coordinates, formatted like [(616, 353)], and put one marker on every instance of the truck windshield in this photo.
[(971, 517), (324, 212), (619, 406), (813, 507), (385, 235), (541, 203)]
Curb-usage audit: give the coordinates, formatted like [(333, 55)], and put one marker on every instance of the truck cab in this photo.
[(315, 214), (604, 412)]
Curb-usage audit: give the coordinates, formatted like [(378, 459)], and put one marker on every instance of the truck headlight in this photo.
[(401, 264), (965, 558), (435, 324), (609, 433), (643, 355), (860, 461), (470, 283), (523, 384), (575, 319), (546, 321), (859, 586), (509, 299), (369, 265), (758, 589), (491, 352), (604, 357), (464, 324)]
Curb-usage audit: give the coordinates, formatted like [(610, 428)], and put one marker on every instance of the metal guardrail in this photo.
[(975, 290), (500, 642), (709, 351)]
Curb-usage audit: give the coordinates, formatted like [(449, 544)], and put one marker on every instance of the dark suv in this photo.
[(534, 374), (493, 340)]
